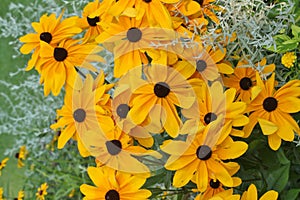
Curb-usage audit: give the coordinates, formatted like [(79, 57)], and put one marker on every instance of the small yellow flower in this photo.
[(21, 195), (42, 192), (21, 156), (1, 194), (288, 59), (3, 164)]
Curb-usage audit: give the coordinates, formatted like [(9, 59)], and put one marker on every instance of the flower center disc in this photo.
[(112, 195), (123, 110), (270, 104), (201, 65), (161, 89), (79, 115), (17, 155), (209, 117), (200, 2), (60, 54), (134, 34), (214, 184), (46, 37), (147, 1), (93, 21), (204, 152), (245, 83), (114, 147)]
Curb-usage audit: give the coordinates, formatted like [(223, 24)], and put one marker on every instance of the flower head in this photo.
[(251, 194), (51, 30), (21, 156), (42, 192), (81, 113), (200, 158), (57, 64), (115, 185), (271, 109), (21, 195), (3, 164), (288, 59)]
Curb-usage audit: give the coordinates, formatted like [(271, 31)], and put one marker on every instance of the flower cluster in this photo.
[(178, 104)]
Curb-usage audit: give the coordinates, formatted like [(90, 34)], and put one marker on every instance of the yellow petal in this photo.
[(267, 127), (270, 195)]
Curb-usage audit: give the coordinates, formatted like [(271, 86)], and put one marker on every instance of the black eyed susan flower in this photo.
[(208, 9), (158, 95), (271, 109), (57, 64), (42, 192), (251, 194), (244, 78), (3, 164), (153, 11), (130, 38), (93, 13), (120, 110), (212, 102), (224, 195), (114, 185), (115, 149), (201, 157), (21, 195), (21, 156), (80, 113), (51, 30)]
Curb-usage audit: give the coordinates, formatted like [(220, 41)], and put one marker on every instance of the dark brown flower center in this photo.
[(93, 21), (79, 115), (114, 147), (17, 155), (161, 89), (112, 195), (200, 2), (60, 54), (204, 152), (209, 117), (134, 34), (270, 104), (46, 37), (245, 83), (214, 184), (122, 110), (201, 65), (41, 192), (147, 1)]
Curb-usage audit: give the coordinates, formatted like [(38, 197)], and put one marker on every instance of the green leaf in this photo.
[(296, 31), (277, 179), (282, 158), (292, 194)]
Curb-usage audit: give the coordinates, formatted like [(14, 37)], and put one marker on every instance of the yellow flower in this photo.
[(120, 109), (42, 192), (201, 157), (158, 95), (224, 195), (244, 78), (93, 13), (51, 30), (21, 195), (57, 64), (251, 194), (115, 185), (271, 108), (21, 156), (213, 102), (80, 113), (1, 194), (288, 59), (115, 149), (3, 164), (153, 10)]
